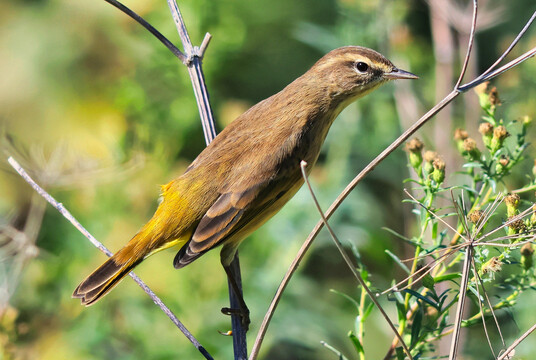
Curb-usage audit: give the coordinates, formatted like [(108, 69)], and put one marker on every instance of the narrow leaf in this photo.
[(357, 344), (398, 261)]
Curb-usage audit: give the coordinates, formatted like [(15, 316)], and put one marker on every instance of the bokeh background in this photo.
[(101, 114)]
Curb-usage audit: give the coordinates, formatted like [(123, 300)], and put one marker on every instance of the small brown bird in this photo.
[(250, 170)]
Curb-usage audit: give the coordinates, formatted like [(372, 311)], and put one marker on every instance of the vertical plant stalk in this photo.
[(193, 63), (461, 302)]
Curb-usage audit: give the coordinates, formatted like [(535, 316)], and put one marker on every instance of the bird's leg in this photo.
[(242, 309)]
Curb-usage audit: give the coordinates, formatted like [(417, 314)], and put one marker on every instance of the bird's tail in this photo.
[(106, 277), (109, 274)]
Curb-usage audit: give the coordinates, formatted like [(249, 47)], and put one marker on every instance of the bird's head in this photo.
[(351, 72)]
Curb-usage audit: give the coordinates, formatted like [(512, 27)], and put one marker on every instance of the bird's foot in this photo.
[(242, 312)]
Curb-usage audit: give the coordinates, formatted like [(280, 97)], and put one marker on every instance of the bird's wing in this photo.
[(231, 212)]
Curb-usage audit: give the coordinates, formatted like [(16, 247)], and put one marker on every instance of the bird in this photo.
[(250, 170)]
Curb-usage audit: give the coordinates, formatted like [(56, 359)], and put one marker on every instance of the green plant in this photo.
[(476, 219)]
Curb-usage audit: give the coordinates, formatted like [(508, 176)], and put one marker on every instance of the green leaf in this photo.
[(347, 297), (398, 235), (401, 311), (398, 261), (368, 310), (421, 297), (472, 165), (446, 277), (416, 328), (357, 344), (428, 282), (434, 230), (331, 348), (400, 354)]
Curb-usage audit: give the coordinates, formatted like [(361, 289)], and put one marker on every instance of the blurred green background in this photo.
[(101, 114)]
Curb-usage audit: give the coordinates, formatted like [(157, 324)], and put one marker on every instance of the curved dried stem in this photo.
[(349, 263), (509, 353), (512, 45), (150, 28), (469, 44)]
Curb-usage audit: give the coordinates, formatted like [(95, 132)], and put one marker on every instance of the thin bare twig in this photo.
[(348, 261), (461, 302), (59, 206), (194, 56), (512, 45), (151, 29), (480, 306), (469, 44), (509, 353)]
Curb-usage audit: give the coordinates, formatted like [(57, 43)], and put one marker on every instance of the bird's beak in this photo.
[(399, 74)]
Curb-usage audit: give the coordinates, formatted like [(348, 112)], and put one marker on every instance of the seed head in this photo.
[(512, 203), (470, 149), (492, 265), (486, 129), (503, 162), (494, 97), (497, 141), (481, 89), (475, 216), (512, 200), (517, 226), (414, 145), (500, 133), (527, 249), (460, 134), (429, 156)]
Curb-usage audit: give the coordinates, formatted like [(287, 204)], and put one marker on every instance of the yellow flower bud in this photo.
[(414, 147), (470, 149), (526, 255), (494, 97), (512, 203), (438, 174), (486, 129), (428, 158)]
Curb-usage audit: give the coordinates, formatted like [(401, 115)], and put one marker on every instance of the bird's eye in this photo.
[(361, 66)]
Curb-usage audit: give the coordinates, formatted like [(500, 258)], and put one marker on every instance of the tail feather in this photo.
[(148, 241), (103, 280)]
